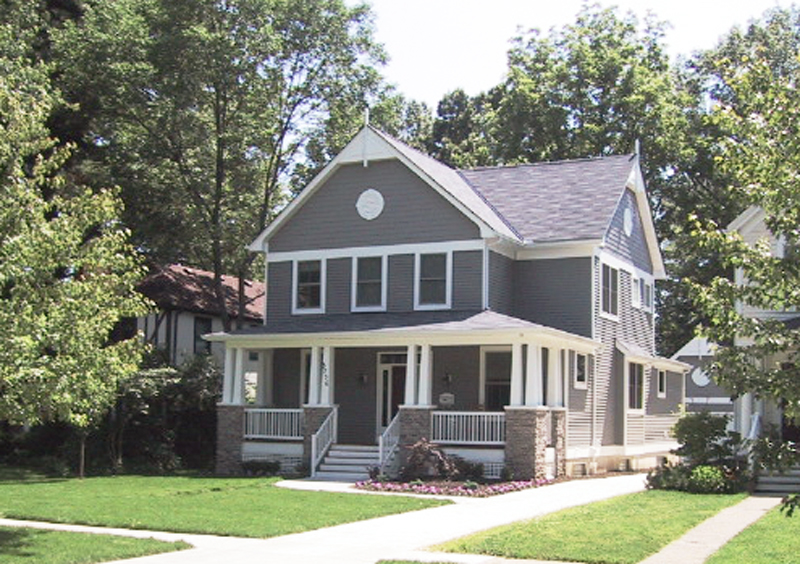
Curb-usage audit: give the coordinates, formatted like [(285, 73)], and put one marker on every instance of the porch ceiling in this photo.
[(439, 328)]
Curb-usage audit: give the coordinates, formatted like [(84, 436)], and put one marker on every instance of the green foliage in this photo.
[(67, 269), (772, 539), (426, 461), (261, 467), (704, 439), (706, 479)]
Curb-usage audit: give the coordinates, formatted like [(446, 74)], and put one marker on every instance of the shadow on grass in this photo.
[(15, 542)]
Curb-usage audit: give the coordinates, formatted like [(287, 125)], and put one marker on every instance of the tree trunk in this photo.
[(82, 454)]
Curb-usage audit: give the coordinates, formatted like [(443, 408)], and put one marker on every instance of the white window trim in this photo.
[(323, 284), (354, 307), (659, 393), (574, 365), (636, 295), (448, 282), (603, 313)]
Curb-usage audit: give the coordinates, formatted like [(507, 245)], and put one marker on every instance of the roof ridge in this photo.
[(629, 156)]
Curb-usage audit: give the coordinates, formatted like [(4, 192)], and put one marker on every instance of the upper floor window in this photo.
[(610, 290), (635, 385), (309, 286), (641, 294), (433, 281), (202, 326), (580, 370), (369, 284)]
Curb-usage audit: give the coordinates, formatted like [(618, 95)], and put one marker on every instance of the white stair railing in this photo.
[(387, 444), (322, 440)]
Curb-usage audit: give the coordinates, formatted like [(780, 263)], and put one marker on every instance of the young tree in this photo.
[(67, 270)]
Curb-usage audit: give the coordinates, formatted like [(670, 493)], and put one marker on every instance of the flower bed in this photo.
[(467, 489)]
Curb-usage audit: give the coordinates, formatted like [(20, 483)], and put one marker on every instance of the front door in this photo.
[(391, 388)]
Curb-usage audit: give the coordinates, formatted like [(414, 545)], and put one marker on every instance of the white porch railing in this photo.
[(468, 428), (323, 439), (275, 424), (387, 444)]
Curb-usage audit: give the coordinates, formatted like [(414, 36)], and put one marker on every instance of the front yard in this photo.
[(246, 507)]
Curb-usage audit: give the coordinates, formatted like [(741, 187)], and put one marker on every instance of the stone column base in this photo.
[(527, 436), (230, 435), (560, 439)]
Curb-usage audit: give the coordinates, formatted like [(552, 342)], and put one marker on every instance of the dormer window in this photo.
[(309, 286), (433, 281)]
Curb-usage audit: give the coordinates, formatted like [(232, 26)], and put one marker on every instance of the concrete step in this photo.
[(340, 476), (783, 483)]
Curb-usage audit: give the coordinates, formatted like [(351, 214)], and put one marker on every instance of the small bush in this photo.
[(707, 479), (669, 477), (261, 467)]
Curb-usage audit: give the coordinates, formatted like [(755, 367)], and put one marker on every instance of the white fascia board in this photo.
[(636, 183), (563, 249), (753, 214), (543, 335), (671, 365), (620, 264)]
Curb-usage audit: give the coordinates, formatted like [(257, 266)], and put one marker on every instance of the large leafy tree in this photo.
[(200, 109), (759, 104), (67, 269)]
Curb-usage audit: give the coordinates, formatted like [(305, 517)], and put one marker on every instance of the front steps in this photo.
[(779, 484), (348, 463)]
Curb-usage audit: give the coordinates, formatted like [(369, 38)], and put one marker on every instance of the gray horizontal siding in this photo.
[(401, 284), (632, 248), (413, 212), (467, 280), (556, 293), (501, 284), (337, 293), (279, 292)]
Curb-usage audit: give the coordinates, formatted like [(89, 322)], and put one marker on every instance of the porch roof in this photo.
[(434, 327)]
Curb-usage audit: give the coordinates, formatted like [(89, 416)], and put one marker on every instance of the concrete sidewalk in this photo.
[(406, 536)]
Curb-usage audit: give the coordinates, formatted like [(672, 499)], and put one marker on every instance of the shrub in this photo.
[(704, 439), (261, 467), (669, 477), (706, 479)]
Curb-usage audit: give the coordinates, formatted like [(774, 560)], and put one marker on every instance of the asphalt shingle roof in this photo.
[(558, 201)]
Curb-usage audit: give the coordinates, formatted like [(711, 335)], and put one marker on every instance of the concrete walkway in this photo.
[(406, 536)]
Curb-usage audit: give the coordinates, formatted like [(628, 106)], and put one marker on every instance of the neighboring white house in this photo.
[(751, 414)]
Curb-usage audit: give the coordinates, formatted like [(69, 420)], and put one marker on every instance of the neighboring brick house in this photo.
[(505, 313), (187, 309)]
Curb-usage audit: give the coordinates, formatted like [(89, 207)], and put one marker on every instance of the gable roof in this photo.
[(555, 201), (178, 287)]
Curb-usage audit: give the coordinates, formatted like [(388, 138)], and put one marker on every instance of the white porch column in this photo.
[(265, 379), (314, 378), (237, 397), (533, 376), (516, 375), (326, 377), (555, 379), (227, 380), (425, 382), (411, 376)]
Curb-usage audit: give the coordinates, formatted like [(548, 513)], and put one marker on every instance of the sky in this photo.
[(437, 46)]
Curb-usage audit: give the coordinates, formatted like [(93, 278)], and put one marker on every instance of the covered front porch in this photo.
[(488, 387)]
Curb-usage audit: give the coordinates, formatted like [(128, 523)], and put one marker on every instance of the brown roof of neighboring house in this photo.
[(178, 287)]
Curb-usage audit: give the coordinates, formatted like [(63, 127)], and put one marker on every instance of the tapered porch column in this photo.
[(314, 377), (425, 382), (533, 376), (237, 397), (326, 377), (411, 376), (516, 375)]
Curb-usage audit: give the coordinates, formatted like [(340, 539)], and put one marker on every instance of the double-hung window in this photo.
[(369, 284), (580, 370), (309, 286), (610, 291), (635, 385), (433, 281), (662, 384)]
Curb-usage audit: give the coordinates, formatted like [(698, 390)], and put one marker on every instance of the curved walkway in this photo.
[(405, 536)]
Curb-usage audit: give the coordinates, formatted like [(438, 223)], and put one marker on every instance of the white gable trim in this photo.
[(636, 184), (366, 146)]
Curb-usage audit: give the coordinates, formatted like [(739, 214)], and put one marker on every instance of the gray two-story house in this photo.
[(504, 313)]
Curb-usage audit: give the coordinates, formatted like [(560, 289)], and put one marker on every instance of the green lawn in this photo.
[(26, 546), (770, 540), (622, 530), (225, 506)]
